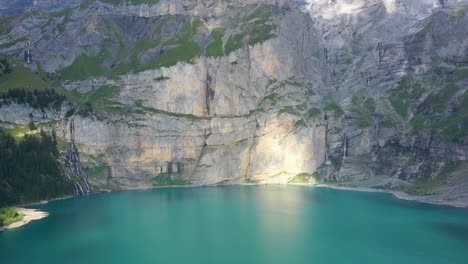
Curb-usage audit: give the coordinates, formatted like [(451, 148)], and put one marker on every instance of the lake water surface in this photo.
[(240, 224)]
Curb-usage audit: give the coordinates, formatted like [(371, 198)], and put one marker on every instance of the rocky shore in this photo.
[(29, 216)]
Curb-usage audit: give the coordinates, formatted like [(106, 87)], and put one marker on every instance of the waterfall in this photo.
[(27, 56), (327, 161), (345, 146), (73, 165), (80, 191)]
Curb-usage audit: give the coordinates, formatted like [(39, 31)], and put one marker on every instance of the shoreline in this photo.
[(399, 195), (430, 199), (46, 201), (35, 214), (29, 215)]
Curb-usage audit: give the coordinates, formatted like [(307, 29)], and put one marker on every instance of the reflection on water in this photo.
[(279, 214), (240, 224), (456, 230)]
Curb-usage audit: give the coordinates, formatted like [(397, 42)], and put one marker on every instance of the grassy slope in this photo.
[(401, 97), (85, 67), (184, 48), (21, 77), (99, 101), (301, 178), (433, 186), (363, 108), (253, 27)]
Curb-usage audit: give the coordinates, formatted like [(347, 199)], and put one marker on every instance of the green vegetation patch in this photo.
[(18, 76), (438, 102), (5, 67), (317, 175), (458, 75), (141, 109), (9, 216), (407, 92), (5, 25), (132, 57), (251, 181), (309, 90), (273, 98), (363, 108), (314, 113), (99, 101), (251, 26), (289, 110), (14, 42), (215, 49), (332, 106), (47, 98), (254, 27), (300, 178), (300, 123), (417, 123), (455, 126), (129, 60), (97, 171), (117, 34), (449, 122), (181, 48), (223, 182), (85, 66), (66, 14), (169, 179), (18, 132), (433, 186), (387, 122)]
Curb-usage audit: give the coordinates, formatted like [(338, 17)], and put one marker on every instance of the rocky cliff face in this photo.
[(13, 7), (357, 92)]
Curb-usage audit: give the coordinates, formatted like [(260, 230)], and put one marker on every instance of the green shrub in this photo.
[(314, 113), (300, 178), (406, 93), (215, 49), (86, 66), (9, 216), (169, 179), (363, 108), (332, 106)]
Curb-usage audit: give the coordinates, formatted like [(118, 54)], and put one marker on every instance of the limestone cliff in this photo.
[(357, 92)]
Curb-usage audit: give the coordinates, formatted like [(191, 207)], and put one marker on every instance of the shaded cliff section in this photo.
[(413, 136)]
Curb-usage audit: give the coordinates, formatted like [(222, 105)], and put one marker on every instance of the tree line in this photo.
[(30, 170), (5, 67), (39, 99)]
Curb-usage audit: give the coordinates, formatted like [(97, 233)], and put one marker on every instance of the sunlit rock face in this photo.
[(333, 8), (338, 91), (283, 150)]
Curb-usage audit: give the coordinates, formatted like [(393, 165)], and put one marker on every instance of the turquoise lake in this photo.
[(240, 224)]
